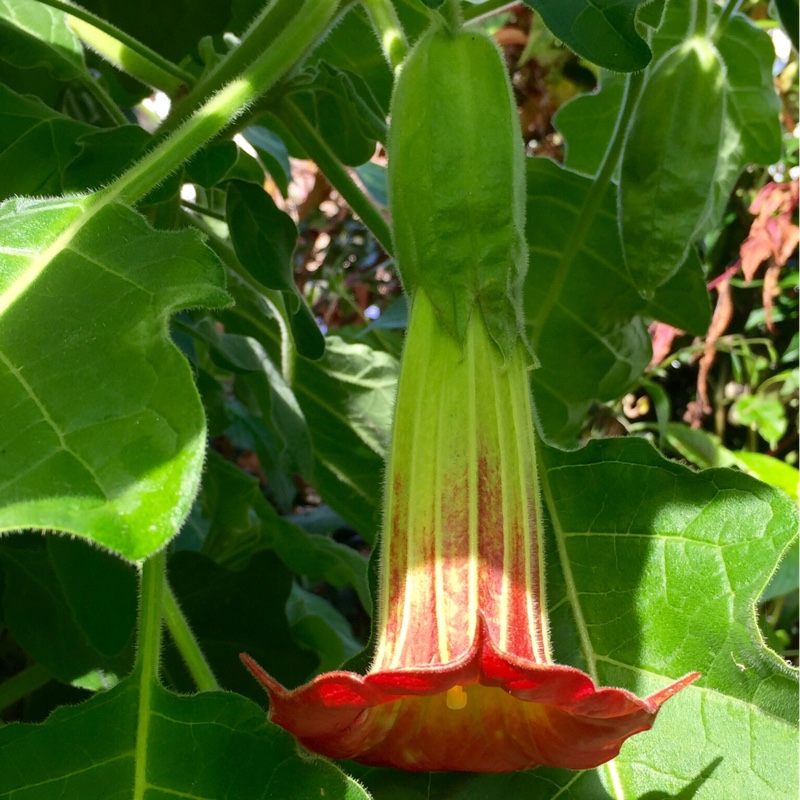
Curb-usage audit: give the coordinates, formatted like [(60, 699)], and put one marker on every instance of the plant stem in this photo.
[(216, 114), (699, 21), (318, 150), (151, 603), (452, 14), (728, 10), (22, 684), (268, 29), (591, 203), (198, 209), (187, 645), (390, 31), (121, 49), (486, 10)]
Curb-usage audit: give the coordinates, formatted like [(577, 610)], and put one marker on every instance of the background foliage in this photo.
[(199, 343)]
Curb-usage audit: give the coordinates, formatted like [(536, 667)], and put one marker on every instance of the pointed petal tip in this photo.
[(660, 697), (269, 683)]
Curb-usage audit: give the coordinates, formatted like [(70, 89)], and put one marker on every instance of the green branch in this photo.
[(389, 29), (319, 151), (122, 50), (148, 654), (187, 645), (728, 10), (591, 203), (268, 29), (216, 114)]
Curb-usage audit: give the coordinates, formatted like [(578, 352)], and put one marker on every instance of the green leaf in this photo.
[(753, 103), (341, 107), (104, 434), (71, 607), (353, 46), (678, 121), (602, 31), (347, 398), (223, 161), (36, 145), (586, 326), (242, 522), (373, 176), (313, 555), (587, 123), (211, 745), (102, 155), (273, 153), (771, 470), (660, 580), (764, 413), (321, 628), (234, 611), (173, 29), (35, 35), (264, 238)]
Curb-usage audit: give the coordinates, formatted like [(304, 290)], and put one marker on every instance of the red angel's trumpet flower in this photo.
[(462, 677)]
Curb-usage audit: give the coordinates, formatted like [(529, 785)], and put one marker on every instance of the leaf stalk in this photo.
[(186, 642)]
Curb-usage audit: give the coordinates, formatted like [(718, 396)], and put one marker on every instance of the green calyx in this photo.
[(456, 183)]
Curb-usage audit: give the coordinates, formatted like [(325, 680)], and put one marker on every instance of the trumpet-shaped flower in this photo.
[(462, 677)]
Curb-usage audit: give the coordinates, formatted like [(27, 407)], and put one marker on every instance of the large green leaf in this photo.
[(70, 606), (587, 123), (241, 523), (753, 103), (180, 23), (212, 745), (602, 31), (586, 321), (678, 121), (35, 35), (653, 572), (339, 104), (36, 145), (44, 152), (264, 238), (234, 611), (660, 579), (347, 398), (104, 434)]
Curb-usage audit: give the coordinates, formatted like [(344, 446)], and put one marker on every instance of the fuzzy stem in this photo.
[(216, 114), (728, 10), (390, 31), (591, 203), (319, 151), (120, 48), (151, 602), (700, 13), (270, 27), (22, 684), (187, 645), (452, 14)]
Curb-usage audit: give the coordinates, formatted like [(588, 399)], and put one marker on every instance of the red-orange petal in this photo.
[(518, 714)]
